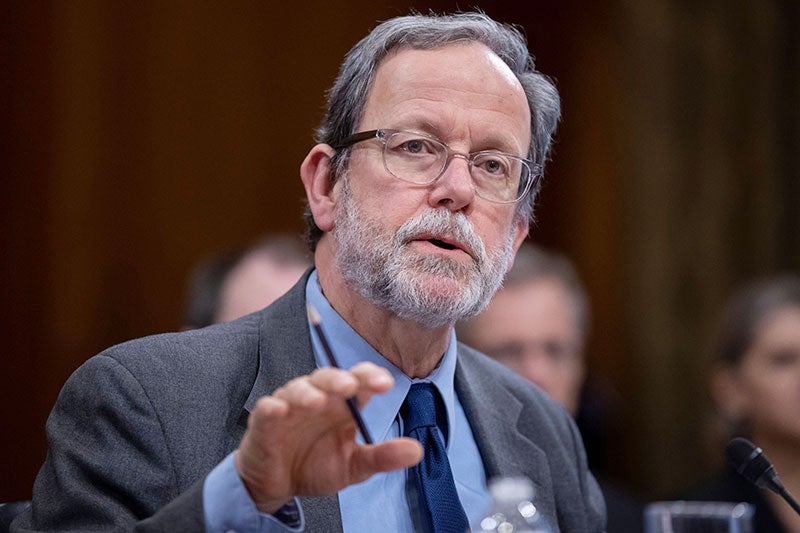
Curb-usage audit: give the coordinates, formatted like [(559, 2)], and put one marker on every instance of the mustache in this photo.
[(444, 223)]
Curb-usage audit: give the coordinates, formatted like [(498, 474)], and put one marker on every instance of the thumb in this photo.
[(395, 454)]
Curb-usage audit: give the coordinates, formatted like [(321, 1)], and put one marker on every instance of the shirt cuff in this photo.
[(227, 506)]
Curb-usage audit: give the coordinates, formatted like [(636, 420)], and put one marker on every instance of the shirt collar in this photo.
[(350, 348)]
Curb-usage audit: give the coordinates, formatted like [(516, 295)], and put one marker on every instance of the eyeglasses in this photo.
[(418, 158)]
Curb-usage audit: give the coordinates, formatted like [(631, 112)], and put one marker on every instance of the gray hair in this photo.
[(533, 262), (348, 95)]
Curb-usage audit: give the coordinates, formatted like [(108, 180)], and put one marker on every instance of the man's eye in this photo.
[(493, 166), (784, 358), (508, 353), (559, 352), (416, 146)]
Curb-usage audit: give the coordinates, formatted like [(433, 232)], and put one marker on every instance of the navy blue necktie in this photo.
[(438, 502)]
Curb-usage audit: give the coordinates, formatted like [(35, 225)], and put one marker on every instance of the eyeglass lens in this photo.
[(416, 159)]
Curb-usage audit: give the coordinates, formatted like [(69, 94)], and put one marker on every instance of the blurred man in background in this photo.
[(235, 283), (538, 325)]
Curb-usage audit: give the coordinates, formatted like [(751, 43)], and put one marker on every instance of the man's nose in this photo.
[(454, 189)]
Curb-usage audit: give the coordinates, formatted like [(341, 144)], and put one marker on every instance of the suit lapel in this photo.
[(284, 353), (284, 348), (494, 414)]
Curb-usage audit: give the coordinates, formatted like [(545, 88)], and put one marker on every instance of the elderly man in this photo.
[(419, 192)]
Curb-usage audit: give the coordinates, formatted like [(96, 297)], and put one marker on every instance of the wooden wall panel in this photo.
[(141, 137)]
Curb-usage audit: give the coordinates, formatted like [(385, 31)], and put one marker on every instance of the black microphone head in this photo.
[(740, 452), (748, 459)]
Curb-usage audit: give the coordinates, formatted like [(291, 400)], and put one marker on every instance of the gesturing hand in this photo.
[(301, 440)]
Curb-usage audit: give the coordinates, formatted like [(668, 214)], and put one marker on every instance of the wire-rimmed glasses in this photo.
[(421, 159)]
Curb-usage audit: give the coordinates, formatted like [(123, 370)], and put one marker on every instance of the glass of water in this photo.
[(698, 517)]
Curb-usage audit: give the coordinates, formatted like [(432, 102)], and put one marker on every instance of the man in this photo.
[(419, 192), (537, 325), (235, 283)]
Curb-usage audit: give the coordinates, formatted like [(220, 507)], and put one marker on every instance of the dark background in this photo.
[(138, 137)]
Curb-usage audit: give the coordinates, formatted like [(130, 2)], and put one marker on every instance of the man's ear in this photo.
[(520, 233), (316, 176)]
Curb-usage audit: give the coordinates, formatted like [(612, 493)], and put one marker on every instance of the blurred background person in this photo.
[(755, 384), (235, 283), (538, 324)]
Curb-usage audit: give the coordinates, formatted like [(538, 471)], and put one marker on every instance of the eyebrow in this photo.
[(429, 128)]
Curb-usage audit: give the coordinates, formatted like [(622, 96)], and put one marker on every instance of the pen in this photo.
[(314, 317)]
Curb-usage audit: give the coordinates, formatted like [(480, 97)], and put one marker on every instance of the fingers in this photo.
[(395, 454), (312, 391), (373, 378), (300, 440), (392, 455)]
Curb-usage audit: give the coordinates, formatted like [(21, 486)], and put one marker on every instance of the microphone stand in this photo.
[(783, 493), (749, 461)]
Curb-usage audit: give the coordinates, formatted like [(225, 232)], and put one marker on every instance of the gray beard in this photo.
[(388, 273)]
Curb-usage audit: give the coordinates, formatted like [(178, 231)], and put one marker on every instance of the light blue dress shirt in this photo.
[(379, 502)]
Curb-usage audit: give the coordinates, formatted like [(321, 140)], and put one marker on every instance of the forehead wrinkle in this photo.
[(445, 126), (422, 93)]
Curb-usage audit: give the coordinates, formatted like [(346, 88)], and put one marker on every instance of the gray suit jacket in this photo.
[(136, 429)]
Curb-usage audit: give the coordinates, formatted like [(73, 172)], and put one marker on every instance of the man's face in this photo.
[(433, 253), (255, 283), (533, 329)]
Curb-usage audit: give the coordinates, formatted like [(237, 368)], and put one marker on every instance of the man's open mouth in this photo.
[(442, 244)]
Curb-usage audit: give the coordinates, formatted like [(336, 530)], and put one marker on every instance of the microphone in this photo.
[(749, 461)]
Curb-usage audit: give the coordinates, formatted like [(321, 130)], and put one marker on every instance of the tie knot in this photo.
[(420, 408)]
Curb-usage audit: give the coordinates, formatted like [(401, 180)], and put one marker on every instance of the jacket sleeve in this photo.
[(108, 466)]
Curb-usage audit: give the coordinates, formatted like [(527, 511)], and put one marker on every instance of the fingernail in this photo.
[(381, 379), (343, 380)]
